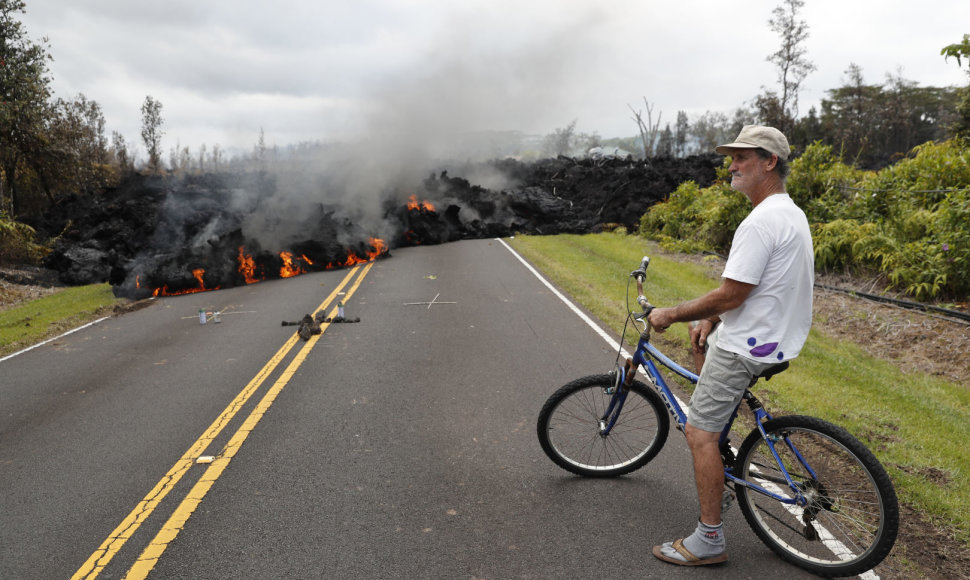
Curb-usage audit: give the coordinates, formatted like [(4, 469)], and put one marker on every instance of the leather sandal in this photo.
[(689, 558)]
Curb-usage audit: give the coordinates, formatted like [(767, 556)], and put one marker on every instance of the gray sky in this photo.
[(308, 70)]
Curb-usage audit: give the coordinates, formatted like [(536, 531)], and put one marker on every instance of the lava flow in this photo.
[(247, 267), (414, 205), (288, 269), (379, 248), (198, 273)]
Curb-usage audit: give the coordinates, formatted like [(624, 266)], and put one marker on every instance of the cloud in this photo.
[(223, 69)]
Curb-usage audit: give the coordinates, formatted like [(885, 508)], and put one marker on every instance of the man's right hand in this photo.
[(698, 334), (660, 318)]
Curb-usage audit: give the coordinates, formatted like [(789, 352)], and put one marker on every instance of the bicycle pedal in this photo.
[(727, 500)]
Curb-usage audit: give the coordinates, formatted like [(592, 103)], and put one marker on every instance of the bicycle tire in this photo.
[(569, 430), (856, 514)]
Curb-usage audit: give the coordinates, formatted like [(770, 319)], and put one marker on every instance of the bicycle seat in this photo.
[(773, 370)]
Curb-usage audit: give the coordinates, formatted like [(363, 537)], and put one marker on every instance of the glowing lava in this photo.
[(289, 269), (414, 205), (198, 273), (247, 267)]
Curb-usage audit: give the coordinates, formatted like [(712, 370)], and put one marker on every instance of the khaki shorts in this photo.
[(722, 382)]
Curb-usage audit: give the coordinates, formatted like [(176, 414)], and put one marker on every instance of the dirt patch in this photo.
[(917, 342), (20, 284)]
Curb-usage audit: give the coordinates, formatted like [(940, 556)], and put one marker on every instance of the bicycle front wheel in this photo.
[(850, 522), (570, 433)]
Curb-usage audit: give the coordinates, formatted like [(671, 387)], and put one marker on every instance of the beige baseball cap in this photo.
[(754, 136)]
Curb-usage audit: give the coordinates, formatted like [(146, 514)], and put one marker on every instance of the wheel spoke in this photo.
[(850, 521), (570, 432)]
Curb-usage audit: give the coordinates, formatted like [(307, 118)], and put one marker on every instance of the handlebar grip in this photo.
[(641, 273)]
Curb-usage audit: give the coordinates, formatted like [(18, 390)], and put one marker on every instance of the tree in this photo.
[(648, 129), (25, 107), (873, 124), (119, 147), (179, 159), (959, 51), (215, 158), (790, 60), (78, 148), (681, 130), (742, 117), (710, 130), (586, 141), (151, 132), (848, 113), (665, 144), (560, 141)]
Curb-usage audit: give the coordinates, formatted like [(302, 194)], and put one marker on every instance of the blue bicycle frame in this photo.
[(641, 359)]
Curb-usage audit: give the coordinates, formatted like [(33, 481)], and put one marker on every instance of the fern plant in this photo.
[(17, 242)]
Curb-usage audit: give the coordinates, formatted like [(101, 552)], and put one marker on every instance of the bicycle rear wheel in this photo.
[(569, 428), (852, 516)]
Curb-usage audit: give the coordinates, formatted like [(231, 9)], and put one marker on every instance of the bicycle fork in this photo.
[(623, 378)]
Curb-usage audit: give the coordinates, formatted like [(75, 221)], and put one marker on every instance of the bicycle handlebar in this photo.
[(641, 272), (639, 275)]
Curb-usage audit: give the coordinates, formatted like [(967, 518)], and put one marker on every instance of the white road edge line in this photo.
[(32, 347)]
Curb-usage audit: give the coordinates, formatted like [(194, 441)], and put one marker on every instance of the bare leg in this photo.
[(706, 544), (708, 472), (698, 360)]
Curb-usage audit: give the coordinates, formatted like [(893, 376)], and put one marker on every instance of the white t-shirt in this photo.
[(772, 248)]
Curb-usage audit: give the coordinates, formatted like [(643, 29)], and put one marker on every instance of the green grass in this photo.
[(594, 271), (31, 322), (918, 426)]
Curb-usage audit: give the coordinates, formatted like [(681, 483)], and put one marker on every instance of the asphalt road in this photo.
[(402, 446)]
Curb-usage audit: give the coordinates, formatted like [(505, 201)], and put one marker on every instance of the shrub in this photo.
[(17, 242), (694, 219), (910, 221), (838, 243), (821, 184)]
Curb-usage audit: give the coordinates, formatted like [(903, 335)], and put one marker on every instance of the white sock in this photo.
[(706, 541)]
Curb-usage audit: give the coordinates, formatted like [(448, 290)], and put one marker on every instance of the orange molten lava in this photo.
[(198, 273), (414, 205), (379, 248), (247, 267), (289, 269)]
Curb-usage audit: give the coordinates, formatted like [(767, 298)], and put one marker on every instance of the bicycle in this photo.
[(811, 491)]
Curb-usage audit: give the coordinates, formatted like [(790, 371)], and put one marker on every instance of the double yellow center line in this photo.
[(149, 557)]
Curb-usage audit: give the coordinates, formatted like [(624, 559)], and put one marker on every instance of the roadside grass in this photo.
[(918, 426), (46, 317)]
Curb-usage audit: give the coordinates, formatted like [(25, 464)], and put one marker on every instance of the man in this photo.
[(764, 307)]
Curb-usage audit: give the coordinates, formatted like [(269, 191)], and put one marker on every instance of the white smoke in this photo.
[(456, 103)]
